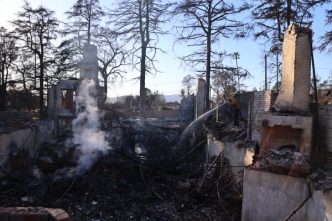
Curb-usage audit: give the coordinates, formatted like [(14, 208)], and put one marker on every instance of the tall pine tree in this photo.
[(36, 28)]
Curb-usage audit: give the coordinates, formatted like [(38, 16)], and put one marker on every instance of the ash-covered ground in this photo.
[(122, 186)]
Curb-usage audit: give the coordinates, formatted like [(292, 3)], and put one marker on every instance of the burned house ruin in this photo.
[(285, 132), (195, 164)]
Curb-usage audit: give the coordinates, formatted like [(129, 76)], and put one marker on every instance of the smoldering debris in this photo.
[(92, 181), (284, 160), (87, 135), (119, 188)]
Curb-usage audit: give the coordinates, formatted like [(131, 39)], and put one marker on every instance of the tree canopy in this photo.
[(139, 24), (204, 23), (35, 29), (39, 50)]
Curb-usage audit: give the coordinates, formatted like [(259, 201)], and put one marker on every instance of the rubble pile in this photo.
[(227, 132), (121, 187), (322, 178), (150, 170), (284, 160)]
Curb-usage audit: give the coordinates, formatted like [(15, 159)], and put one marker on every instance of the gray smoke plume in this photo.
[(86, 127)]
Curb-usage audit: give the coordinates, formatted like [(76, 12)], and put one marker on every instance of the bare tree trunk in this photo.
[(24, 84), (41, 90), (3, 73), (7, 73), (277, 71), (41, 79), (89, 23), (289, 11), (208, 58), (142, 82), (208, 73), (265, 71), (105, 84), (145, 38), (5, 69), (278, 21)]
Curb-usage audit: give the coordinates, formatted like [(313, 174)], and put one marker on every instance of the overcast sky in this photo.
[(172, 71)]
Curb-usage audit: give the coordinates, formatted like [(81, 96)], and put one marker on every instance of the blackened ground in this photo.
[(119, 187)]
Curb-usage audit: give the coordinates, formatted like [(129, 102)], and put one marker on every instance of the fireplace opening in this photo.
[(278, 136)]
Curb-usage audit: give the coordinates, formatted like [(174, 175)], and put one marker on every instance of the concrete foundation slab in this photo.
[(268, 196)]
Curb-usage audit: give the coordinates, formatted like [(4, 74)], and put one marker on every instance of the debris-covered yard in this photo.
[(150, 170), (121, 186)]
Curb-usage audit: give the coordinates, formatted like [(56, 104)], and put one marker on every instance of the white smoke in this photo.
[(86, 127)]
